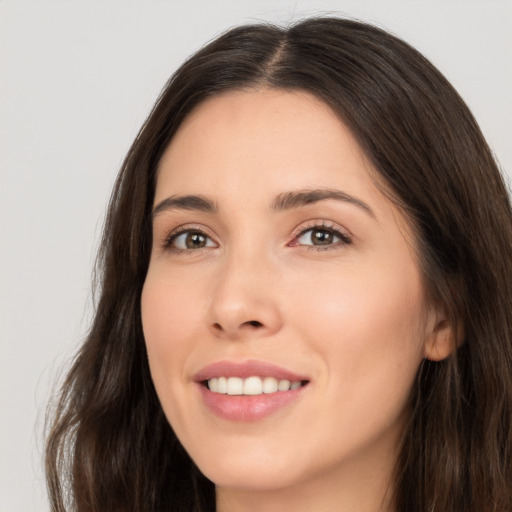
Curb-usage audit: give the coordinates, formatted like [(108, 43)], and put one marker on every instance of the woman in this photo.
[(305, 292)]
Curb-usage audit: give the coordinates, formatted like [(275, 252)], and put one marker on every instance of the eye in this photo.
[(322, 237), (189, 240)]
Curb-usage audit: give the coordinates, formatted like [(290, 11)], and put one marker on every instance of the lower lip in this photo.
[(248, 407)]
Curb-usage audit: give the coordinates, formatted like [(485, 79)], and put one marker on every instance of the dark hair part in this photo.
[(110, 446)]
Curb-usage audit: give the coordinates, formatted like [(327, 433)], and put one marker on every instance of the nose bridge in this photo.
[(243, 300)]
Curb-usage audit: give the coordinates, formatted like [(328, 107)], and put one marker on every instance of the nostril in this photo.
[(219, 328), (254, 323)]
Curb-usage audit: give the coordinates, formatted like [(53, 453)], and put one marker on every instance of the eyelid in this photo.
[(321, 223)]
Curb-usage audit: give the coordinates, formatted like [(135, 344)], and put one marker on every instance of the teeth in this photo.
[(250, 386), (270, 385), (235, 386), (213, 385), (223, 385), (284, 385), (253, 386)]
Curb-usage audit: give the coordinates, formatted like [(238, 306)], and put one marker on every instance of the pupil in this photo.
[(195, 241), (322, 237)]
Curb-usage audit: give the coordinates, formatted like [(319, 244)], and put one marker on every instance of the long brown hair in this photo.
[(109, 445)]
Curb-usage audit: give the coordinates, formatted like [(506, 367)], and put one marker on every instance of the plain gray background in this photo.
[(77, 79)]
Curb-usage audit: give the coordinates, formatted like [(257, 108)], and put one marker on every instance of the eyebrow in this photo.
[(191, 202), (296, 199), (284, 201)]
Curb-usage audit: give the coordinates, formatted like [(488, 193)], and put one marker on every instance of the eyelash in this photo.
[(344, 239)]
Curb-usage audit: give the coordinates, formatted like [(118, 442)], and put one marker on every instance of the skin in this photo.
[(350, 315)]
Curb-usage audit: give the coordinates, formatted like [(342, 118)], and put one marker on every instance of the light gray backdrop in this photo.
[(77, 79)]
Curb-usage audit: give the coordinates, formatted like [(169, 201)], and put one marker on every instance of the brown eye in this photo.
[(322, 236), (190, 240), (195, 240)]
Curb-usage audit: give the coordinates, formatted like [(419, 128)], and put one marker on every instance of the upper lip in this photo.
[(244, 369)]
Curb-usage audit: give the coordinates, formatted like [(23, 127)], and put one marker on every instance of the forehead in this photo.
[(273, 137)]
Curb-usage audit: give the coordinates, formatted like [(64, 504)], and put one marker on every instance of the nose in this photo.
[(245, 302)]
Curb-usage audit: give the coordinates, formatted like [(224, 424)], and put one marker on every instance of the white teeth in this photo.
[(250, 386), (270, 385), (222, 385), (235, 386), (284, 385), (213, 384), (253, 386)]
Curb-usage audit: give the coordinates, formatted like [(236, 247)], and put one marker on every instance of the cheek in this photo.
[(169, 320), (363, 306), (368, 328), (170, 310)]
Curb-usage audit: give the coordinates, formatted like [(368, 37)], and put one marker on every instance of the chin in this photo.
[(245, 473), (249, 480)]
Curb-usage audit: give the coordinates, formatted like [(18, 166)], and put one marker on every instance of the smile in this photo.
[(250, 386), (248, 391)]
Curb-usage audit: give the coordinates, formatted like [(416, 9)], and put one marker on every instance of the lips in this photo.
[(247, 369), (248, 391)]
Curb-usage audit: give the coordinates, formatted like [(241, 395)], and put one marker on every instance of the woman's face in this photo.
[(277, 263)]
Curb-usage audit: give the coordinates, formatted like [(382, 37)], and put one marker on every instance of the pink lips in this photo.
[(244, 370), (241, 407)]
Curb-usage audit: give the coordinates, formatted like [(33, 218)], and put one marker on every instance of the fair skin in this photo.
[(325, 286)]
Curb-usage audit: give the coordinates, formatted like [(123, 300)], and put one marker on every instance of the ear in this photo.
[(442, 338)]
